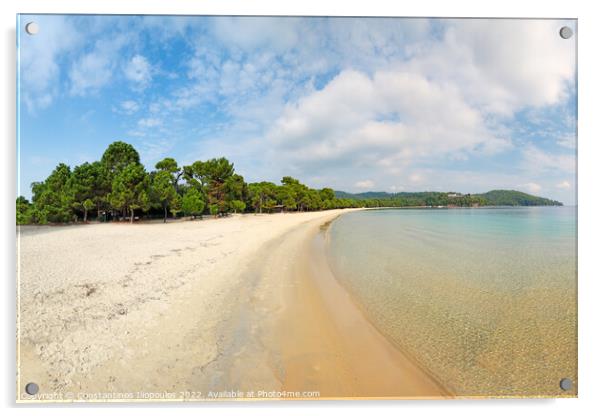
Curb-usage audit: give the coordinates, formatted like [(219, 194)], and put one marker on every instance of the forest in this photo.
[(119, 188)]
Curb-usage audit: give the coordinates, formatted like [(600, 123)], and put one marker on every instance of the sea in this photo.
[(482, 299)]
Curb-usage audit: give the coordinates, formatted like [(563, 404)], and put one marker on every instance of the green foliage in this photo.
[(263, 196), (211, 176), (193, 175), (288, 197), (192, 203), (24, 211), (118, 156), (415, 199), (130, 190), (327, 194), (237, 205), (87, 205), (294, 195), (235, 189), (86, 184), (52, 198), (515, 198), (164, 191), (168, 165), (119, 184), (175, 205)]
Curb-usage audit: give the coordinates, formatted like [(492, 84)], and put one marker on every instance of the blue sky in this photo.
[(356, 104)]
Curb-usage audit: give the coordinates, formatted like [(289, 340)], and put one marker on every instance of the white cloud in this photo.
[(319, 45), (416, 178), (569, 141), (39, 70), (391, 119), (365, 184), (410, 98), (249, 33), (538, 161), (95, 69), (437, 99), (563, 185), (149, 122), (68, 46), (531, 187), (138, 70), (92, 72), (129, 106), (503, 65)]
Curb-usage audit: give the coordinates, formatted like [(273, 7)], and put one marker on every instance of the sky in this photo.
[(355, 104)]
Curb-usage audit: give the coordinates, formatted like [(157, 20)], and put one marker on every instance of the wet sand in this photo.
[(326, 344), (243, 307)]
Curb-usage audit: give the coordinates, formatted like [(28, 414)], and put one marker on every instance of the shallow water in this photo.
[(483, 299)]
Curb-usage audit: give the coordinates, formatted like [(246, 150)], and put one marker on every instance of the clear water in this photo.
[(483, 299)]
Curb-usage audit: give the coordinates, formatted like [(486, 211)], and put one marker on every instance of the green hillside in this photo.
[(491, 198), (515, 198)]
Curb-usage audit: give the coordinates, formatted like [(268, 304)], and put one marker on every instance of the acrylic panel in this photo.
[(295, 208)]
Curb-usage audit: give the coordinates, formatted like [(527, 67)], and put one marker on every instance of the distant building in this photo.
[(454, 195)]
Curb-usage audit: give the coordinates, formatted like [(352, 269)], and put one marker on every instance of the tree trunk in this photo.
[(85, 215), (131, 216), (165, 211)]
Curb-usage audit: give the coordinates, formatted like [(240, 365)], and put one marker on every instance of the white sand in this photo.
[(244, 303), (142, 307)]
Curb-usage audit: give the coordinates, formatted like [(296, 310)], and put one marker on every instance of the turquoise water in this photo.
[(483, 299)]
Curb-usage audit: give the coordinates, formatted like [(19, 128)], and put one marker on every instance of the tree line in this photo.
[(422, 199), (118, 187)]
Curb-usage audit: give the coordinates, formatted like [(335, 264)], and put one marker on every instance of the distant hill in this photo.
[(497, 197), (515, 198)]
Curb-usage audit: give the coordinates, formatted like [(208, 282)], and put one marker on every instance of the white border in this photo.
[(590, 177)]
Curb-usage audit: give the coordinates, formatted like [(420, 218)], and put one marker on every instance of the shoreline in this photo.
[(512, 344), (324, 241), (220, 305), (349, 358)]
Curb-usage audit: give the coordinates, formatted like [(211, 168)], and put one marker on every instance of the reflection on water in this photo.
[(484, 299)]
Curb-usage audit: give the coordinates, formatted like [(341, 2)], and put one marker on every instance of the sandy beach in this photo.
[(198, 310)]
